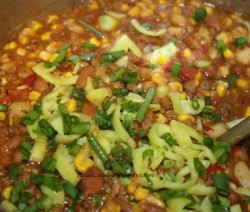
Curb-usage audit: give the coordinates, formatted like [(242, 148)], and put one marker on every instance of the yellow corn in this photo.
[(185, 117), (196, 82), (105, 40), (228, 54), (141, 193), (125, 7), (187, 53), (163, 60), (221, 90), (82, 162), (183, 95), (132, 187), (46, 36), (176, 9), (211, 107), (71, 105), (209, 10), (11, 45), (34, 95), (163, 1), (155, 200), (198, 75), (30, 64), (36, 25), (224, 71), (56, 27), (95, 41), (53, 57), (68, 74), (135, 11), (21, 87), (28, 32), (157, 78), (21, 51), (247, 113), (3, 81), (111, 206), (33, 102), (44, 55), (6, 192), (52, 18), (163, 14), (192, 21), (242, 83), (93, 5), (222, 36), (140, 4), (234, 16), (147, 12), (160, 118), (176, 86), (23, 39), (2, 116)]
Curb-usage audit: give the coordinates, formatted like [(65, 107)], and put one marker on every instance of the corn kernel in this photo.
[(198, 75), (162, 1), (56, 27), (53, 57), (34, 95), (206, 93), (95, 41), (228, 54), (52, 18), (110, 206), (234, 16), (6, 192), (71, 105), (183, 95), (125, 7), (155, 200), (222, 36), (93, 5), (209, 10), (176, 9), (135, 11), (33, 102), (163, 60), (68, 74), (30, 64), (82, 162), (141, 193), (211, 107), (160, 118), (192, 21), (196, 82), (132, 187), (221, 90), (23, 39), (46, 36), (21, 51), (147, 12), (44, 55), (247, 112), (3, 81), (242, 83), (36, 25), (21, 87), (105, 40), (185, 117), (140, 4), (163, 14), (11, 45), (158, 79), (224, 71), (176, 86), (2, 116), (187, 53), (28, 32)]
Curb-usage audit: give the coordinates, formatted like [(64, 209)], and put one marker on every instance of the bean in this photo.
[(82, 79), (40, 85), (92, 181)]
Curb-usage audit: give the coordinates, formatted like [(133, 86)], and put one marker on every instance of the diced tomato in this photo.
[(30, 80), (188, 72), (88, 108), (214, 169), (207, 128), (233, 155), (78, 10), (19, 95), (168, 67), (4, 99)]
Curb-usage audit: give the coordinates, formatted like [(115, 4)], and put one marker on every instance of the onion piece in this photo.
[(107, 23), (115, 15), (145, 31)]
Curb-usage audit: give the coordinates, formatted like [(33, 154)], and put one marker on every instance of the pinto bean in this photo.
[(124, 204), (40, 85), (242, 174), (84, 74), (92, 181), (149, 207)]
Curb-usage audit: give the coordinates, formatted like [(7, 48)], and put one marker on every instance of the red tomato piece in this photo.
[(30, 80), (4, 99), (19, 95), (214, 169), (233, 153), (188, 72)]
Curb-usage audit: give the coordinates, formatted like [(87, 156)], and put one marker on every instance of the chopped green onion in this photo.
[(65, 47), (76, 58), (195, 104), (30, 118), (33, 207), (176, 69), (147, 25), (120, 92), (199, 167), (240, 42), (46, 128), (25, 148), (14, 172), (199, 14), (60, 58), (71, 190), (48, 180), (48, 164), (98, 149), (3, 108), (16, 190), (98, 33), (221, 46), (232, 79), (208, 113), (80, 128), (148, 153), (78, 94), (130, 77), (88, 45), (110, 57), (74, 148), (208, 100), (145, 105), (221, 183), (117, 74), (167, 137), (172, 193)]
